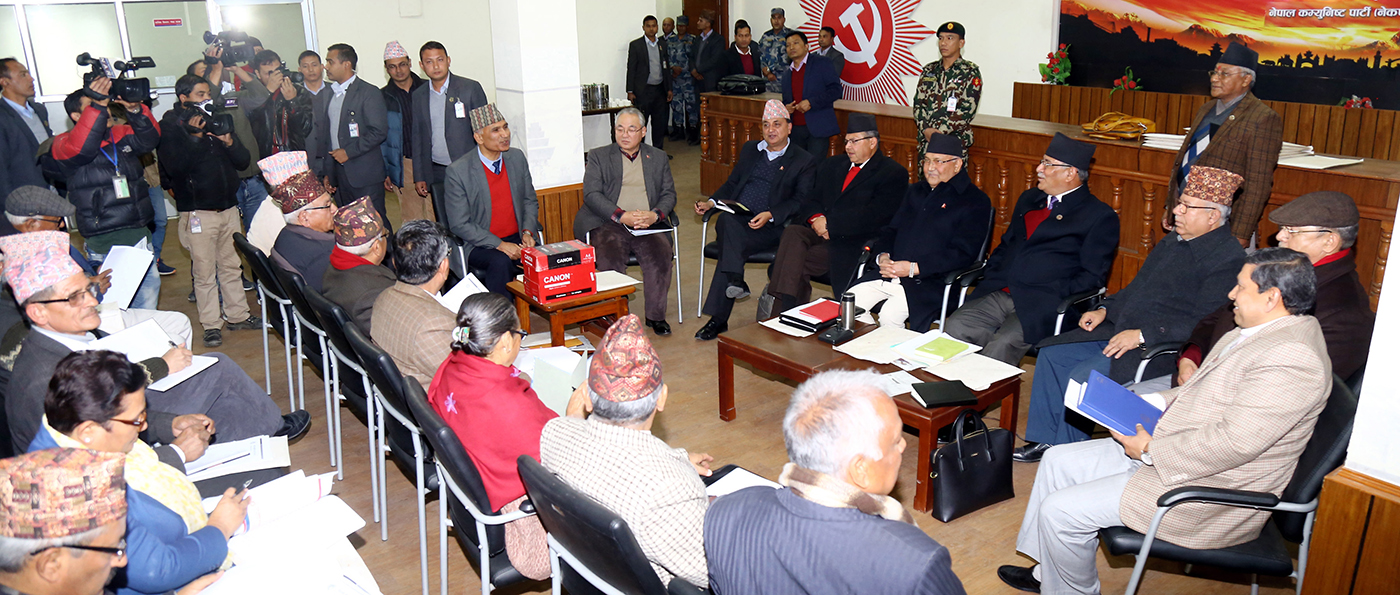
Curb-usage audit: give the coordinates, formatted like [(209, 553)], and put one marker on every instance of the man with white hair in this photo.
[(356, 275), (833, 528), (613, 458), (304, 245)]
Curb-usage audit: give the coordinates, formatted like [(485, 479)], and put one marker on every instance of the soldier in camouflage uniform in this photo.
[(772, 50), (949, 91), (685, 102)]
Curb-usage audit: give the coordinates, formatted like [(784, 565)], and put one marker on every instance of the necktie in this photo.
[(1052, 202), (850, 175), (496, 166)]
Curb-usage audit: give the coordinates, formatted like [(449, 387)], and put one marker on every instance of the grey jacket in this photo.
[(458, 130), (602, 184), (468, 203), (19, 161), (838, 59), (363, 105)]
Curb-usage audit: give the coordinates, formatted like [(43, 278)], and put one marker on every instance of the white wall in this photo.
[(1373, 448), (1006, 49), (605, 27)]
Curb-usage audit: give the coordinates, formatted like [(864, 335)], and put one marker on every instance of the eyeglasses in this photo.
[(1293, 231), (75, 299), (1220, 74), (943, 161), (521, 332), (138, 423), (119, 551), (628, 130), (849, 141), (1182, 204), (1047, 163), (316, 208)]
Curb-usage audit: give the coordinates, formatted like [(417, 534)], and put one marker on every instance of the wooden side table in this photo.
[(612, 302)]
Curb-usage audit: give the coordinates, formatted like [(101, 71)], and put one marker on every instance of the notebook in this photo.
[(1110, 405)]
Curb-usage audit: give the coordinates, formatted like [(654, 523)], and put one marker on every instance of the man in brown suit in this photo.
[(1235, 132), (1240, 422), (357, 275), (408, 322)]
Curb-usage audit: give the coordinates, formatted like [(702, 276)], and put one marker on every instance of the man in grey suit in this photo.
[(826, 41), (442, 130), (627, 185), (351, 122), (490, 202)]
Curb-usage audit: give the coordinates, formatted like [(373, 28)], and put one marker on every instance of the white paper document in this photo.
[(786, 329), (737, 479), (610, 280), (252, 454), (1318, 161), (1074, 394), (878, 345), (452, 300), (975, 370), (934, 347), (128, 265), (899, 382), (145, 341), (554, 374)]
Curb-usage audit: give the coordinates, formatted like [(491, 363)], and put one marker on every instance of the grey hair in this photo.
[(1250, 73), (1347, 234), (291, 218), (485, 316), (626, 412), (15, 550), (1224, 211), (362, 249), (18, 220), (632, 111), (1083, 175), (420, 246), (831, 420)]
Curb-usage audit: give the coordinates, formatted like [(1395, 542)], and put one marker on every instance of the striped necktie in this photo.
[(1200, 139)]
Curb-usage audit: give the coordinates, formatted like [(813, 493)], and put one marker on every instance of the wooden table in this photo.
[(612, 302), (798, 359)]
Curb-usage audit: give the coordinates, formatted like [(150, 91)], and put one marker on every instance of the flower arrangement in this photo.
[(1356, 103), (1127, 82), (1056, 70)]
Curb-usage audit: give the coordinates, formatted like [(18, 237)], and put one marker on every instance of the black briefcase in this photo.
[(742, 84), (973, 471)]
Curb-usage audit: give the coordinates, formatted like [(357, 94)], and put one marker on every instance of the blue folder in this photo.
[(1117, 408)]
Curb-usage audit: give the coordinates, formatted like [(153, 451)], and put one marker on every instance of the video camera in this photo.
[(293, 75), (234, 44), (217, 122), (125, 88)]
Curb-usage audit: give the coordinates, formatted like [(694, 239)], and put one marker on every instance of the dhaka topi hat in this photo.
[(61, 492), (1072, 152), (1212, 184), (953, 27), (34, 201), (858, 122), (298, 191), (393, 50), (278, 168), (777, 12), (943, 144), (774, 110), (1323, 209), (486, 115), (36, 261), (357, 224), (1239, 55), (626, 366)]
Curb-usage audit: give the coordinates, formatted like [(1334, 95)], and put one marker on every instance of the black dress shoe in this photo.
[(659, 327), (294, 424), (711, 330), (737, 291), (1030, 453), (1019, 578)]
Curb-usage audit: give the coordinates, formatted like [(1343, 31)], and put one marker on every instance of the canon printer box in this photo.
[(559, 271)]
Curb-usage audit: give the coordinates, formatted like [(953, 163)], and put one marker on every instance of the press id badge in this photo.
[(194, 224), (120, 186), (354, 130), (953, 103), (461, 109)]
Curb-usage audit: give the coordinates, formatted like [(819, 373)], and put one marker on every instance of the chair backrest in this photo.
[(596, 536), (380, 367), (1326, 451), (262, 267), (448, 449), (335, 319), (296, 288), (987, 240)]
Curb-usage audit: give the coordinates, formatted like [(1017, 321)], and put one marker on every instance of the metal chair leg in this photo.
[(327, 373), (383, 477), (420, 494), (287, 352), (700, 292), (442, 531), (301, 368), (370, 426), (267, 359)]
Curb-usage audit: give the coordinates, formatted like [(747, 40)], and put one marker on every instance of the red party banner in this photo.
[(876, 37)]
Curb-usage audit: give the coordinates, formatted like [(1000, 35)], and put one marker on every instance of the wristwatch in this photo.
[(1146, 458)]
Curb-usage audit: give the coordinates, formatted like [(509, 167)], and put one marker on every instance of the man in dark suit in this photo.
[(1234, 132), (357, 274), (24, 124), (707, 61), (940, 227), (442, 128), (1188, 274), (810, 88), (649, 77), (771, 179), (1061, 241), (854, 196), (740, 57), (826, 41), (351, 123), (627, 185), (490, 202)]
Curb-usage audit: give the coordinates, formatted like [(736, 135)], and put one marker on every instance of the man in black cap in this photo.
[(949, 90), (1061, 241), (1235, 132), (854, 196)]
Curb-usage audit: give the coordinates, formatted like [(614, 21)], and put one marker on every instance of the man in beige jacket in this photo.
[(1240, 422)]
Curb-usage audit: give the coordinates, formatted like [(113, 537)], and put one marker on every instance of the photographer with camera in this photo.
[(250, 95), (98, 162), (283, 121), (202, 159)]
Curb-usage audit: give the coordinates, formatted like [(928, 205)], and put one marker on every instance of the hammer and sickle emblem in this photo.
[(868, 44)]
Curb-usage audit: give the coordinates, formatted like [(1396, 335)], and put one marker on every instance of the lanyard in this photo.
[(113, 156)]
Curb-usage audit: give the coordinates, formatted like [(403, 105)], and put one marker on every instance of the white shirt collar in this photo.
[(763, 146), (487, 162), (447, 82), (798, 64), (744, 52), (22, 108), (73, 342), (652, 42), (340, 88)]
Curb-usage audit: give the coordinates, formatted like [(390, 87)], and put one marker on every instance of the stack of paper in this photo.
[(934, 347), (975, 370), (878, 346), (1293, 150), (128, 265), (737, 479), (145, 341), (554, 374), (227, 458), (813, 316), (275, 503), (1108, 404), (1288, 151), (1318, 161), (610, 280), (452, 300)]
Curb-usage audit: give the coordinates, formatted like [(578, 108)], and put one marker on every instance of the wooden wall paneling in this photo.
[(1304, 133), (1018, 101), (1395, 140), (1321, 127), (558, 206), (1365, 142), (1052, 112), (1337, 537), (1290, 122), (1385, 125), (1336, 126), (1376, 571)]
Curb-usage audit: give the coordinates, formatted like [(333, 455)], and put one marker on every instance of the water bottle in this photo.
[(848, 310)]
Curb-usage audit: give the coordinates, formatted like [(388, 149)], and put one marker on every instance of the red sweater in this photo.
[(495, 414), (503, 223), (797, 76)]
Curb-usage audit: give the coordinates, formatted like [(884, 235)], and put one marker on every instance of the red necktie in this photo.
[(850, 175)]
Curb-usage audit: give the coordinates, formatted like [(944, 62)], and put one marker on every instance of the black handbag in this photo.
[(742, 84), (973, 471)]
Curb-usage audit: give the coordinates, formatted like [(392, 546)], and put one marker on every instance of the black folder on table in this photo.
[(944, 393)]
